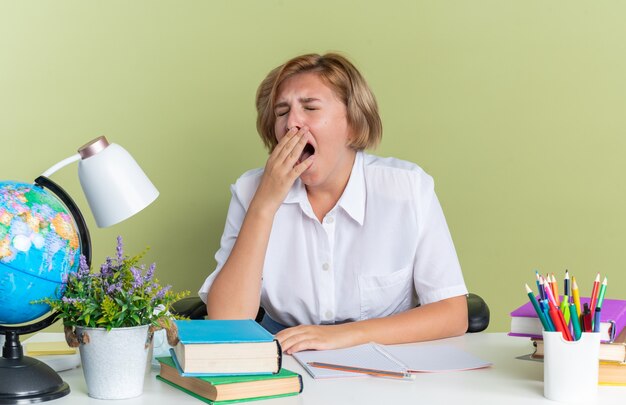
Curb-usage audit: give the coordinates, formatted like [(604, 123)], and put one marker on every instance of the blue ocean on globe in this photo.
[(39, 246)]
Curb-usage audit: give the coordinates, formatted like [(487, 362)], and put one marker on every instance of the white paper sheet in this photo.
[(397, 358)]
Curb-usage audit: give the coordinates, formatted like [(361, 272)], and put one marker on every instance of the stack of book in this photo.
[(612, 368), (227, 360)]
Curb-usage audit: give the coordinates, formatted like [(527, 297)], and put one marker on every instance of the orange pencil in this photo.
[(555, 290), (361, 370)]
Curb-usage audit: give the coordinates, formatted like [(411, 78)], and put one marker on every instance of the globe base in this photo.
[(27, 380)]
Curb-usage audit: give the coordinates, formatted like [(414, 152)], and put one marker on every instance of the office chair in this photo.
[(477, 311)]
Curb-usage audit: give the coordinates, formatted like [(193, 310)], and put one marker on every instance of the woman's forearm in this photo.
[(438, 320), (235, 292)]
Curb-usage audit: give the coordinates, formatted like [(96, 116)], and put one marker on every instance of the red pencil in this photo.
[(559, 321), (594, 293)]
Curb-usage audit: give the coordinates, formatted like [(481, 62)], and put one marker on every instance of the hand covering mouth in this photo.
[(308, 151)]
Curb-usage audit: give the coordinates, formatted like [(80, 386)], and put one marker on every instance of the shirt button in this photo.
[(325, 266), (330, 220), (329, 315)]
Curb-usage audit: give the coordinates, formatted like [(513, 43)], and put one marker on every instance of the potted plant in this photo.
[(111, 315)]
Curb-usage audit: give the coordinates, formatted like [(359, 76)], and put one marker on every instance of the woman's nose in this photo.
[(294, 120)]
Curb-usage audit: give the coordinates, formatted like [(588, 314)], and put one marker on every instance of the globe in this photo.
[(39, 246)]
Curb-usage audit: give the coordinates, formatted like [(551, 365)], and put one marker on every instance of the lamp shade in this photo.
[(115, 186)]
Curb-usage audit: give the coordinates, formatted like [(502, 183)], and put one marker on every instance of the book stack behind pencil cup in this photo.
[(572, 316), (225, 361)]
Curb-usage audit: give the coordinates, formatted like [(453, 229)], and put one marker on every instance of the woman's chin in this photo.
[(308, 176)]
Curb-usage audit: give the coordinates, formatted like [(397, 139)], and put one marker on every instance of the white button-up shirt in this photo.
[(382, 249)]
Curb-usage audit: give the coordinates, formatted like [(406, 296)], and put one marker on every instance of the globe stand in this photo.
[(23, 379)]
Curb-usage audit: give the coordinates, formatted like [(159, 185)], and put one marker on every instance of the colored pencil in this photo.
[(540, 315), (576, 296), (594, 293), (601, 293)]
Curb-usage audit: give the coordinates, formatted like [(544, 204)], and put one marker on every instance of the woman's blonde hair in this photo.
[(343, 78)]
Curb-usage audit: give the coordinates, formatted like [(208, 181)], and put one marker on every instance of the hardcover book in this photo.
[(610, 373), (218, 347), (225, 389), (524, 321)]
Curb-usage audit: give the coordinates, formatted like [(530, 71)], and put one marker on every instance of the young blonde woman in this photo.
[(338, 246)]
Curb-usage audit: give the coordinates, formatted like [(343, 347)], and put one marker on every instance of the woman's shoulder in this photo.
[(246, 185), (253, 175), (391, 166), (396, 180)]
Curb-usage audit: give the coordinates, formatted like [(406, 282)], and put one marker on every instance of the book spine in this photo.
[(280, 357), (301, 383)]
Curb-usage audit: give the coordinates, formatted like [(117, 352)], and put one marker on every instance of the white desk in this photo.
[(508, 381)]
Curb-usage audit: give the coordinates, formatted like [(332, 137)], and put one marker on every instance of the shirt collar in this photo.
[(352, 201), (353, 198), (297, 195)]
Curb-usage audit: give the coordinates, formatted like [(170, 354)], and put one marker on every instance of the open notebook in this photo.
[(394, 358)]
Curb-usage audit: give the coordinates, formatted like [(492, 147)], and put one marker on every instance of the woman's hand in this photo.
[(315, 337), (282, 169)]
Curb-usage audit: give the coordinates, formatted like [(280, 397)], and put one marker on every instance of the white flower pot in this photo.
[(114, 362)]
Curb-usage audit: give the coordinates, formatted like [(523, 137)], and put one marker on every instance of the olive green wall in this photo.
[(517, 109)]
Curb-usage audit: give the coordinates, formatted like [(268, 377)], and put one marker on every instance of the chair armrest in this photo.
[(477, 313), (189, 307)]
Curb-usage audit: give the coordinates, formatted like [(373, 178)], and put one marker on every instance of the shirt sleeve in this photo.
[(234, 220), (437, 273)]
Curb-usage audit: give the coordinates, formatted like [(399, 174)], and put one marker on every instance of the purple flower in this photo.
[(71, 301), (162, 292), (83, 268), (106, 269), (116, 287), (150, 287), (137, 278), (120, 250), (150, 273)]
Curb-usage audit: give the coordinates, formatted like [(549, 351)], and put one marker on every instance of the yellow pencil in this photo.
[(576, 295)]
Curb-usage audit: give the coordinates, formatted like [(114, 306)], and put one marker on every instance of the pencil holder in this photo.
[(570, 369)]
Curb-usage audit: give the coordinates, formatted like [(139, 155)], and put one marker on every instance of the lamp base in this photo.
[(27, 380)]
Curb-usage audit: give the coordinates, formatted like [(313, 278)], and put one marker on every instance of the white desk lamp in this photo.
[(115, 186)]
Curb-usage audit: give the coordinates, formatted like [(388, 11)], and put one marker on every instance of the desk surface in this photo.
[(508, 381)]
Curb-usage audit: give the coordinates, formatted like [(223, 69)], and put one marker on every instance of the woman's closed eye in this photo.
[(281, 112)]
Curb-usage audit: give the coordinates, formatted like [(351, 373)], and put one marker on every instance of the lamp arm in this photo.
[(61, 165)]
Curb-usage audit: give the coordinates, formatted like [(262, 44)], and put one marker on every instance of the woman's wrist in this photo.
[(262, 209)]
